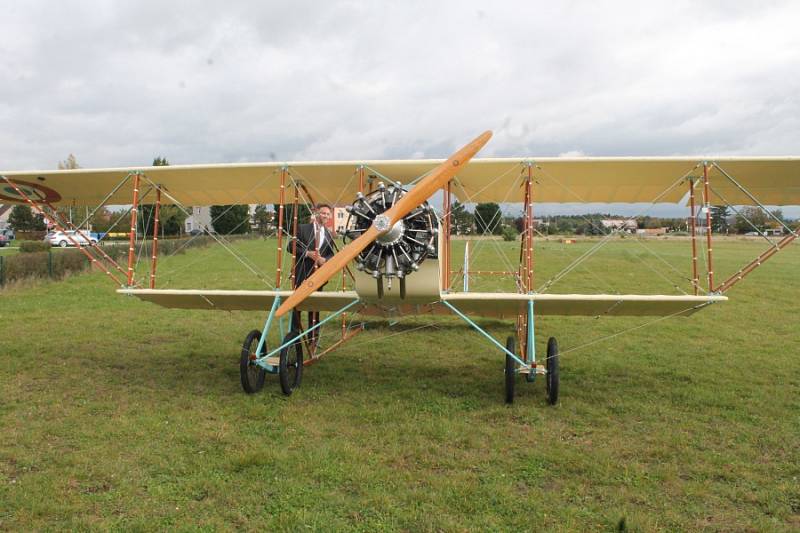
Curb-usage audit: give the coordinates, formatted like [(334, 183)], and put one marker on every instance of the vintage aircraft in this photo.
[(400, 246)]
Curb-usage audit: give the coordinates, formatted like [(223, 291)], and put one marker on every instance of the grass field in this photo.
[(117, 414)]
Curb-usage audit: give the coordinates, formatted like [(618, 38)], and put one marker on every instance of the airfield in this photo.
[(117, 414)]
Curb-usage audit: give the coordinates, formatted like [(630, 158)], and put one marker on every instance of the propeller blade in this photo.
[(384, 222)]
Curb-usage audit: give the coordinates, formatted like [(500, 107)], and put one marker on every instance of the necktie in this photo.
[(320, 237)]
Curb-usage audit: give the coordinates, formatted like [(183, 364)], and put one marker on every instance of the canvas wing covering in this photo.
[(772, 180)]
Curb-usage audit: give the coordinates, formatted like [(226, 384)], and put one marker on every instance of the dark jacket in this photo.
[(306, 241)]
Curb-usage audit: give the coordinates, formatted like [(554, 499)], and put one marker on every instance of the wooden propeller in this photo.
[(383, 223)]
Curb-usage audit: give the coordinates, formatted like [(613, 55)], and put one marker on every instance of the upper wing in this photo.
[(772, 180)]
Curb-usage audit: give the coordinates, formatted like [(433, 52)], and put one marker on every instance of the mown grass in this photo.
[(117, 414)]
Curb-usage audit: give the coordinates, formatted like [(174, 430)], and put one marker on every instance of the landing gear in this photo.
[(552, 371), (252, 375), (551, 368), (290, 365), (511, 369)]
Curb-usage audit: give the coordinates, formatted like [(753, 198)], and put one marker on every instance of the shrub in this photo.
[(39, 261), (509, 234), (27, 247), (20, 266)]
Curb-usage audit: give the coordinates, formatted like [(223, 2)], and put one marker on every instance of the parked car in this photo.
[(9, 233), (3, 240), (62, 238)]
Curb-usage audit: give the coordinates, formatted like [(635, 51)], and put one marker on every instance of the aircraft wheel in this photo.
[(252, 375), (290, 367), (552, 371), (511, 366)]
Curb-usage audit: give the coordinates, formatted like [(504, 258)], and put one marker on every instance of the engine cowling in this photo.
[(401, 248)]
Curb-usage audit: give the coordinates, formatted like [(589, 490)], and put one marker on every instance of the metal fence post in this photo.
[(2, 271), (50, 263)]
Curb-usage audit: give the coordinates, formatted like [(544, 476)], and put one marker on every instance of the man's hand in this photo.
[(316, 257)]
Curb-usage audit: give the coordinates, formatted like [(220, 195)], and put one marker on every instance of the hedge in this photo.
[(56, 265)]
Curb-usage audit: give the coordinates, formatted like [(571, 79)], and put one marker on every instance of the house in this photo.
[(5, 212), (199, 220), (340, 217)]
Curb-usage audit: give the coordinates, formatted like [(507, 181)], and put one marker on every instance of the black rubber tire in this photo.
[(290, 367), (552, 371), (251, 374), (63, 244), (511, 366)]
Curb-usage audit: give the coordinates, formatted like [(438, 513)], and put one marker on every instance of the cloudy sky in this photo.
[(117, 83)]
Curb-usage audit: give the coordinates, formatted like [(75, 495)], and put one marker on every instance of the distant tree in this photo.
[(509, 233), (263, 219), (566, 225), (70, 163), (461, 220), (23, 219), (170, 217), (750, 219), (229, 220), (487, 218), (719, 218), (777, 214), (66, 213), (303, 216), (101, 220)]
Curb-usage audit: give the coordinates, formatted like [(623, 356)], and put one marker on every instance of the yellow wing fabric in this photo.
[(237, 300), (510, 305), (772, 180), (497, 305)]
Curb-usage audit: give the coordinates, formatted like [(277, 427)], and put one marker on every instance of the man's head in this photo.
[(323, 214)]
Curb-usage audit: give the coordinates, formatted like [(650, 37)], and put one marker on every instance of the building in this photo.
[(199, 220), (340, 216), (623, 224), (5, 212), (652, 232)]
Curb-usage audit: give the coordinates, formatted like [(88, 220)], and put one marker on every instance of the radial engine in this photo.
[(398, 251)]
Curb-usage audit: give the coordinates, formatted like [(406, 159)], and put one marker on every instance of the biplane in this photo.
[(396, 249)]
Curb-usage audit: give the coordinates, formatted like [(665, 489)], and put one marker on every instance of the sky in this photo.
[(118, 83)]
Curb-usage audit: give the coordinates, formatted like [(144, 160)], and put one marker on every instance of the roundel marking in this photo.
[(34, 191)]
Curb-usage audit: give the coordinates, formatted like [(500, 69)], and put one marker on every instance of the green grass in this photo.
[(117, 414)]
